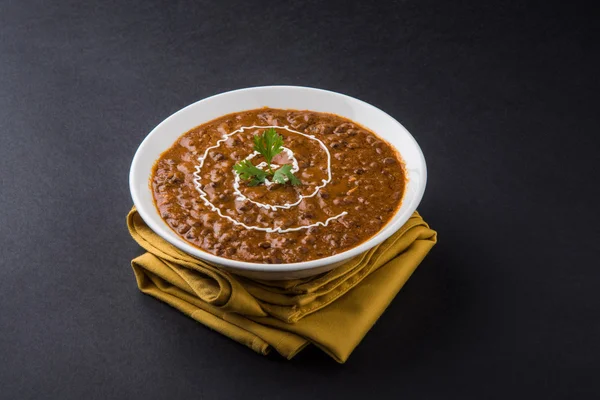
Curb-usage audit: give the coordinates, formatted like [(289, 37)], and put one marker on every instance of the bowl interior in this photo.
[(300, 98)]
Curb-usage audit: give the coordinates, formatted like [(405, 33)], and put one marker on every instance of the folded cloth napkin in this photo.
[(333, 310)]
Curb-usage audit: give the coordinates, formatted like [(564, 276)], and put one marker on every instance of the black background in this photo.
[(502, 96)]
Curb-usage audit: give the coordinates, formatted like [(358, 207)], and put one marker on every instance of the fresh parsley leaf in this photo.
[(255, 181), (284, 174), (268, 144), (280, 175), (293, 180), (248, 172)]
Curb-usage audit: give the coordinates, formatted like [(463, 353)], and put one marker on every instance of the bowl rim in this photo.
[(189, 249)]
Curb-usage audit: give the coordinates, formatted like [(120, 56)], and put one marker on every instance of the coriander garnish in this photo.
[(248, 172), (269, 144), (284, 174)]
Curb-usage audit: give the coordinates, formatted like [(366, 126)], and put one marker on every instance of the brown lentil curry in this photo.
[(201, 205)]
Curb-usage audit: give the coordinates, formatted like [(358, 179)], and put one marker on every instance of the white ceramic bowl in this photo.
[(287, 97)]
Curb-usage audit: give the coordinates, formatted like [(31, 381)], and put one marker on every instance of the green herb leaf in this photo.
[(285, 174), (268, 144), (248, 172)]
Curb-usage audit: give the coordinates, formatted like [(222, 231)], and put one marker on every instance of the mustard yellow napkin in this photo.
[(333, 310)]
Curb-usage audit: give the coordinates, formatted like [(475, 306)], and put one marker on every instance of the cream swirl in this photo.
[(240, 196)]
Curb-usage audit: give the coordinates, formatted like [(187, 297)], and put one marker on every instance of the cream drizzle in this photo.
[(241, 197)]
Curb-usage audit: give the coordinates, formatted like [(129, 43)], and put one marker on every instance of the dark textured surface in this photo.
[(502, 97)]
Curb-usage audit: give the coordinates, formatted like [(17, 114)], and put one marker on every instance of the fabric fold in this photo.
[(333, 310)]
